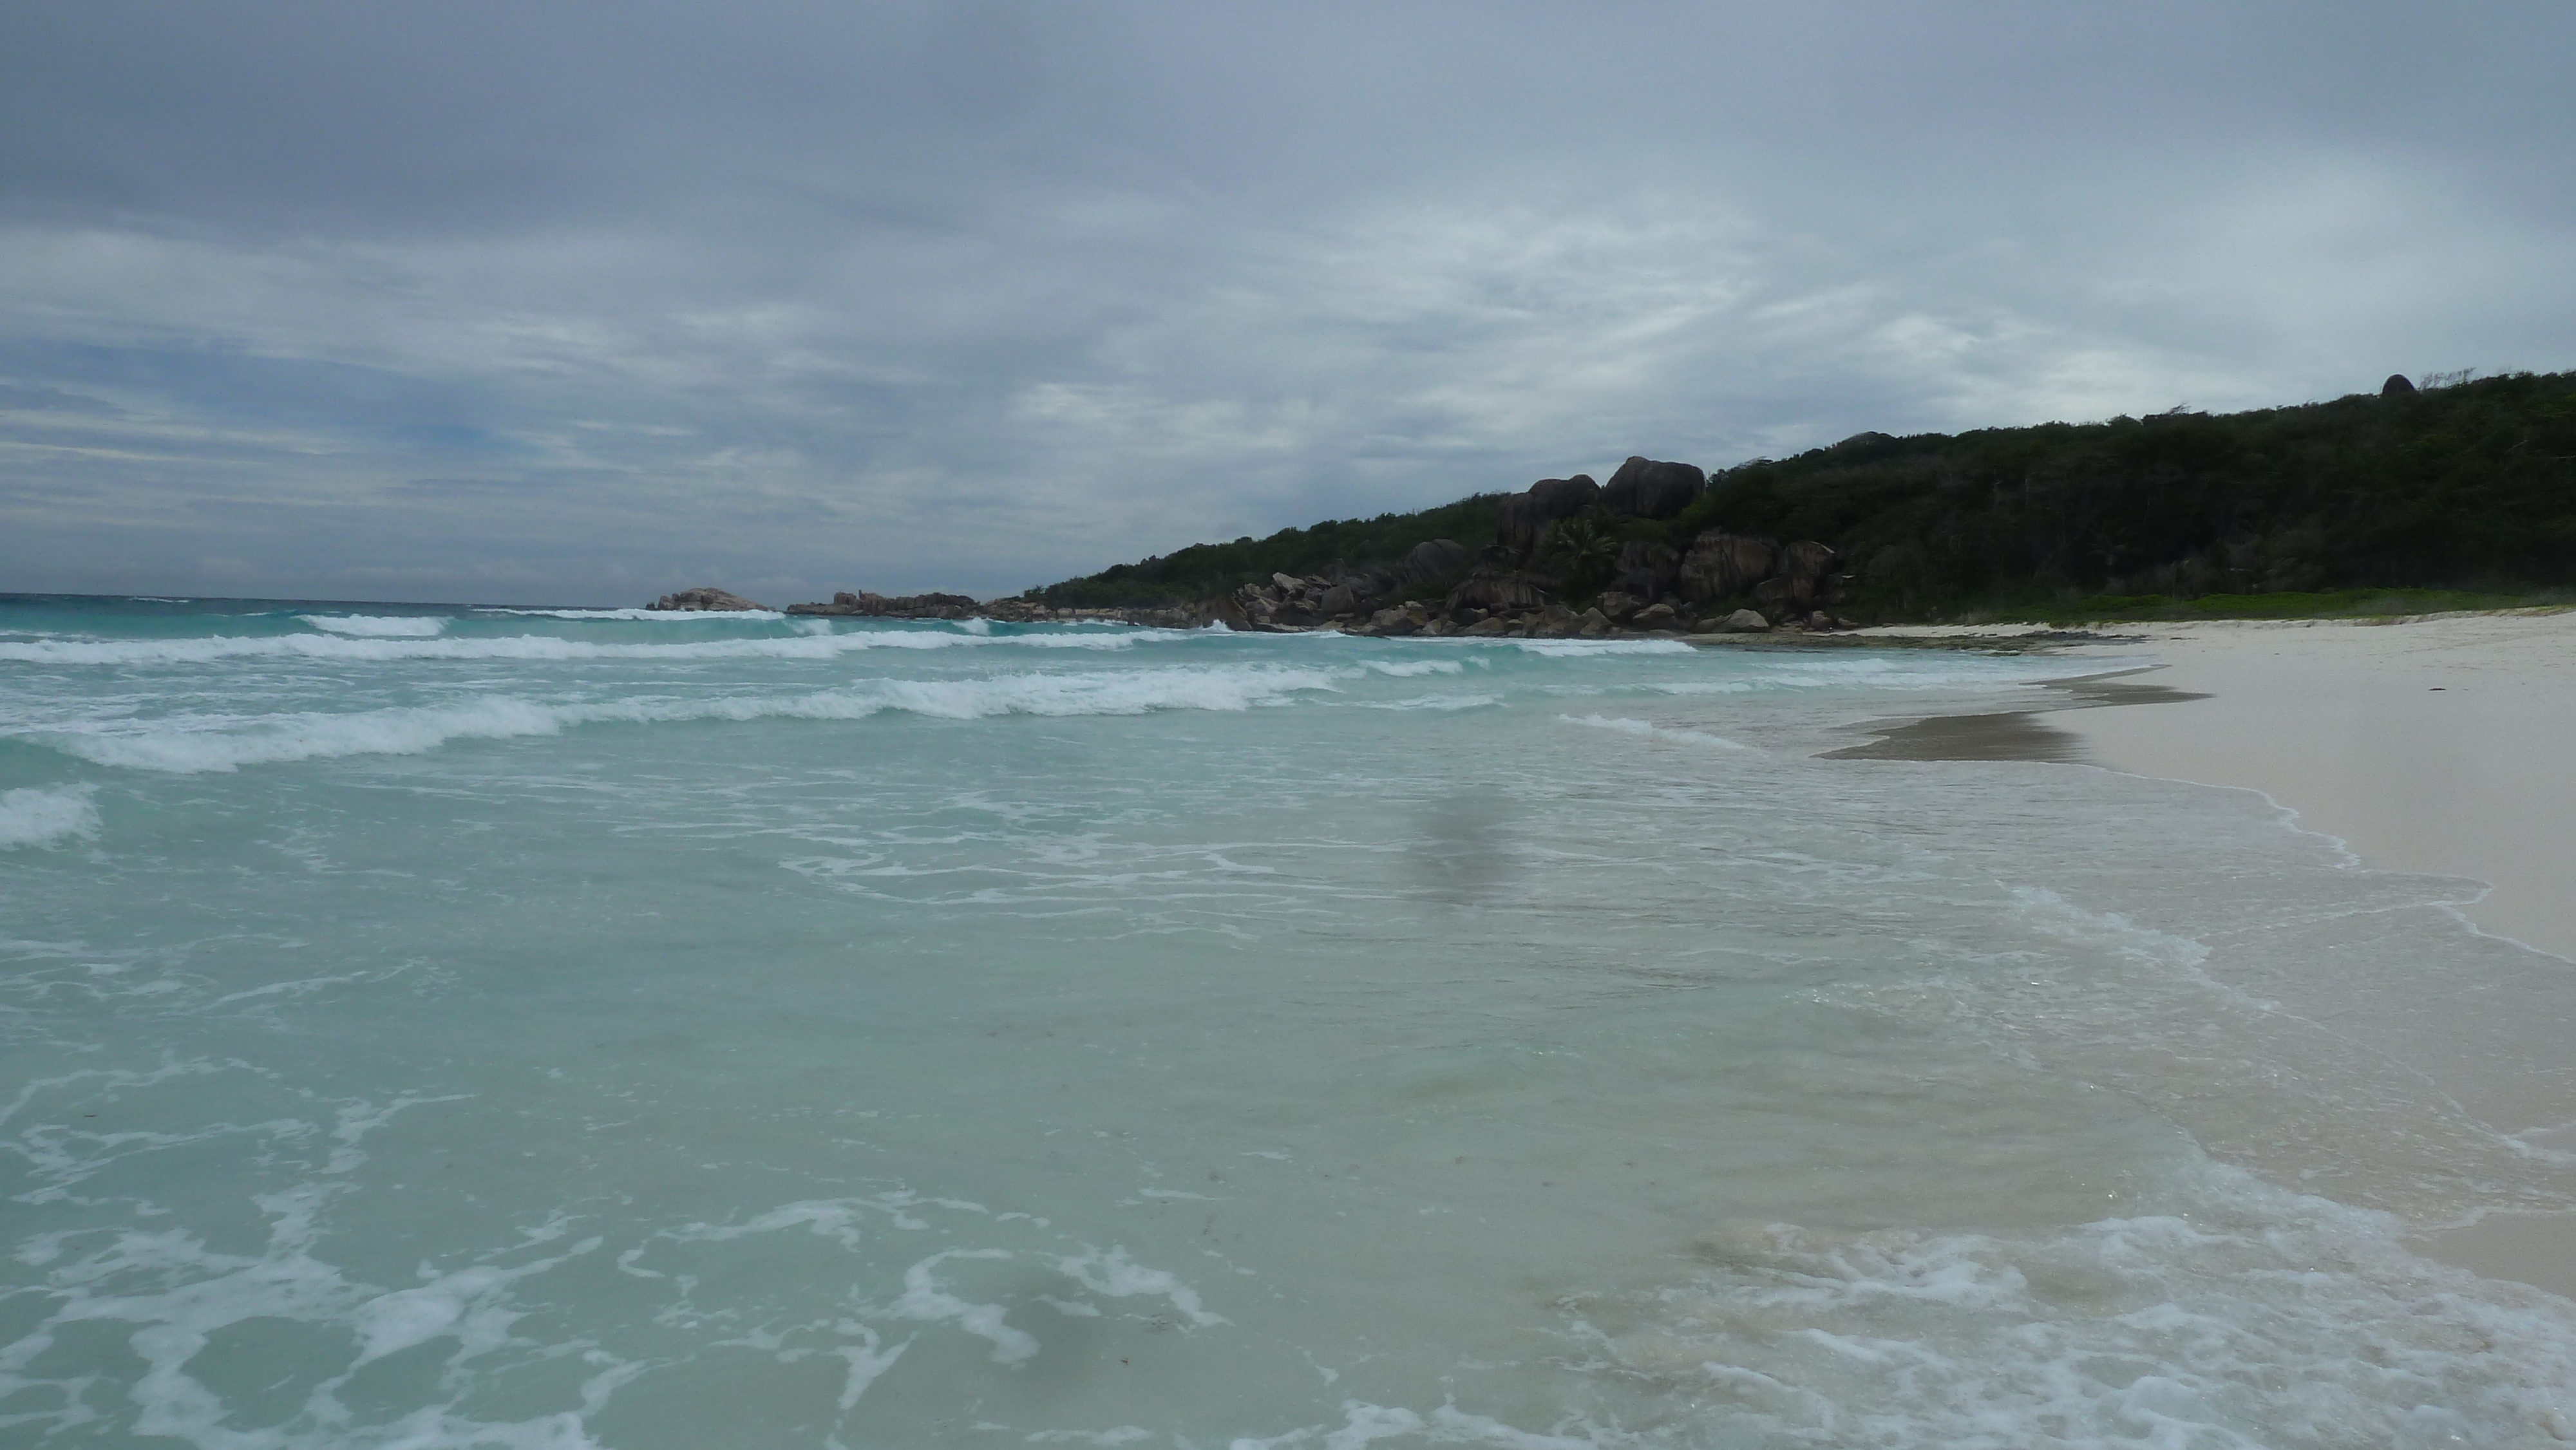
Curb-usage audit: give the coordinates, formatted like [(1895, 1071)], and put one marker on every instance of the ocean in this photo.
[(465, 1027)]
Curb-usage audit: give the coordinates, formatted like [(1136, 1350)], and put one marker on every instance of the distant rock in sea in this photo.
[(705, 597), (909, 606)]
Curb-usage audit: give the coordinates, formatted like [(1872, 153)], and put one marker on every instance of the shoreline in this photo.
[(2432, 744), (2435, 745)]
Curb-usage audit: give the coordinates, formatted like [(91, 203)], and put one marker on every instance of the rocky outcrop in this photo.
[(1654, 588), (1721, 565), (705, 597), (1366, 598), (1435, 559), (1807, 570), (1497, 591), (1524, 516), (1647, 569), (1650, 577), (865, 605), (1646, 489), (909, 606), (2397, 386)]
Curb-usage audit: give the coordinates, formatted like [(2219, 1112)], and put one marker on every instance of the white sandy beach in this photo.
[(2443, 745)]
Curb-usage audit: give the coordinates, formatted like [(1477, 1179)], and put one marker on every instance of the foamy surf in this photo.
[(378, 626), (1651, 731), (2246, 1317), (46, 816), (416, 729), (1573, 649), (378, 648)]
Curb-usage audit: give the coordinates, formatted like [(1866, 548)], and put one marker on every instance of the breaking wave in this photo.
[(416, 729), (45, 816), (1626, 726), (1574, 648), (343, 648), (379, 626)]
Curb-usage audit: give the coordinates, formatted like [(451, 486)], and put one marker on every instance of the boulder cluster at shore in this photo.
[(1556, 544)]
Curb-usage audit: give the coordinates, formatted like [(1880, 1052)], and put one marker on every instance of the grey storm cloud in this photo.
[(583, 302)]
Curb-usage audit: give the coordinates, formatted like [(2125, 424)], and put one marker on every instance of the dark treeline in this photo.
[(2465, 486), (1201, 570)]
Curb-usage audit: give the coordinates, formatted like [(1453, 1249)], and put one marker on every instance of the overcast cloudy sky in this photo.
[(579, 303)]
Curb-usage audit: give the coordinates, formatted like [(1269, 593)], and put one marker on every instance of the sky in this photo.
[(575, 303)]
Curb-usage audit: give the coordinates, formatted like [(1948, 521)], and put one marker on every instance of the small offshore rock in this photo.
[(706, 598)]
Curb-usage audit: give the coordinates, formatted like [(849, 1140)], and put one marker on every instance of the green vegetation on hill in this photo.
[(2470, 486), (1194, 573)]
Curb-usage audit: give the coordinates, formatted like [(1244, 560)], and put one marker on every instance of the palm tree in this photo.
[(1583, 551)]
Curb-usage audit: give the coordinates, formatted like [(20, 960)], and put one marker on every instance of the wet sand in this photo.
[(2443, 745), (2011, 734)]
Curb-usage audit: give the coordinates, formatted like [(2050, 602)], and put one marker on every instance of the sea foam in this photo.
[(2246, 1316), (1579, 648), (411, 730), (1652, 731), (340, 648), (378, 626), (46, 815)]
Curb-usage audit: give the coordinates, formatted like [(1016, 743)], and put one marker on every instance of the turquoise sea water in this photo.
[(448, 1027)]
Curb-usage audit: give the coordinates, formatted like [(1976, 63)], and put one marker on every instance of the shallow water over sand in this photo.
[(465, 1028)]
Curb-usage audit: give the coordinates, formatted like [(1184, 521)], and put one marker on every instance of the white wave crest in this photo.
[(378, 626), (2055, 916), (45, 815), (1409, 669), (1649, 730), (1432, 702), (1571, 648), (339, 648), (417, 729)]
